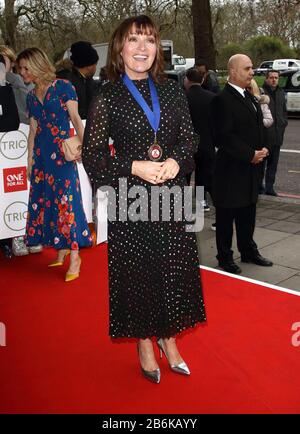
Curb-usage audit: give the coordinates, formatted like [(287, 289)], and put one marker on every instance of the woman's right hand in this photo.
[(147, 170)]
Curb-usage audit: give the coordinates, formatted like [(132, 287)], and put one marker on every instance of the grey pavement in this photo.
[(277, 235)]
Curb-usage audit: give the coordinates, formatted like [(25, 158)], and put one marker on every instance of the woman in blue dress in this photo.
[(55, 210)]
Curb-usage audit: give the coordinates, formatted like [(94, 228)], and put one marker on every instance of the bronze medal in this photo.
[(155, 151)]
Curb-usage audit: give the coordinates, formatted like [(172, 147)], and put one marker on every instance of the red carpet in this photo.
[(58, 357)]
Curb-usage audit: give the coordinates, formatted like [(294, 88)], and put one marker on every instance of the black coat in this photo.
[(85, 88), (199, 101), (279, 113), (239, 132), (211, 82), (9, 116)]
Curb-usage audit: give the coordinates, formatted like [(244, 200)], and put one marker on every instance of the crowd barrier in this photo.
[(14, 188)]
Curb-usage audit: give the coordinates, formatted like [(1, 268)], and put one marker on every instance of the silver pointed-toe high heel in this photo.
[(153, 376), (181, 368)]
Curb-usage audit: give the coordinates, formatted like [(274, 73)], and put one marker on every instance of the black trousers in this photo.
[(205, 160), (270, 167), (204, 168), (244, 219)]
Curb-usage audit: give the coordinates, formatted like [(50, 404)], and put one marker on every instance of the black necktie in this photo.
[(249, 101)]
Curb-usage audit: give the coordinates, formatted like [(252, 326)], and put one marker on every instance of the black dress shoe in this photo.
[(7, 251), (258, 260), (271, 192), (230, 267)]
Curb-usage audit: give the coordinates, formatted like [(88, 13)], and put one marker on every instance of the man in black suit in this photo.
[(199, 101), (241, 143)]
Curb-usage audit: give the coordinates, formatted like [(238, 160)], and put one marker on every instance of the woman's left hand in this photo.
[(169, 170)]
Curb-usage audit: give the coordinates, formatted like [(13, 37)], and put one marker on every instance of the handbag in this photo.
[(72, 148)]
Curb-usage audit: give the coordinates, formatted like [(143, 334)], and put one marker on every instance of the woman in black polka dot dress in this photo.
[(153, 264)]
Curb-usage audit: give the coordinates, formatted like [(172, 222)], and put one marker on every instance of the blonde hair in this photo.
[(255, 88), (38, 63), (63, 64), (8, 52)]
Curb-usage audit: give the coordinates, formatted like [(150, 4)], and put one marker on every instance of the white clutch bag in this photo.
[(72, 148)]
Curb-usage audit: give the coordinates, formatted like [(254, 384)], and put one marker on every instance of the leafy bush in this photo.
[(258, 48), (262, 48)]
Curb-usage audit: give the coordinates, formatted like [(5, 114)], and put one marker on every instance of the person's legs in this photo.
[(146, 355), (169, 349), (245, 226), (272, 163), (224, 232), (199, 178), (61, 254), (149, 366), (204, 160), (263, 171), (5, 245), (74, 268)]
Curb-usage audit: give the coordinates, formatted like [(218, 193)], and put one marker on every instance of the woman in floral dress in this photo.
[(55, 210)]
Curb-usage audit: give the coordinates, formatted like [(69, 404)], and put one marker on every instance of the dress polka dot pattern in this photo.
[(154, 279)]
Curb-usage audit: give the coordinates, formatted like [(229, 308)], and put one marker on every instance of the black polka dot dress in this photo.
[(154, 278)]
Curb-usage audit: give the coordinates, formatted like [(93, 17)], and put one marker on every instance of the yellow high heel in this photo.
[(72, 276), (58, 263)]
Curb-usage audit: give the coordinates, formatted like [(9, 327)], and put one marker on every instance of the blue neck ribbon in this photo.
[(152, 116)]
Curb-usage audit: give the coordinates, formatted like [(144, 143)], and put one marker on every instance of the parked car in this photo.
[(264, 67), (291, 88), (177, 75), (286, 64), (180, 62)]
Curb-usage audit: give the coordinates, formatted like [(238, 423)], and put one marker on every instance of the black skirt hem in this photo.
[(162, 335)]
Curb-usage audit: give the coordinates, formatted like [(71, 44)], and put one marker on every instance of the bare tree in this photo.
[(9, 18), (280, 18), (195, 26)]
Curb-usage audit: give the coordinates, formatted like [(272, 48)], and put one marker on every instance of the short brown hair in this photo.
[(192, 74), (271, 71), (143, 25)]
